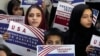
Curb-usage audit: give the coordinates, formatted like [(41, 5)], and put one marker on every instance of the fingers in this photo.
[(5, 35), (89, 48)]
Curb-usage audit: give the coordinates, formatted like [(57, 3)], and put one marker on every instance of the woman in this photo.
[(81, 29), (35, 17)]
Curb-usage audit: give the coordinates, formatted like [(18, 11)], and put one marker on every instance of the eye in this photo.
[(31, 15), (38, 15), (84, 16), (49, 43), (20, 8), (58, 42)]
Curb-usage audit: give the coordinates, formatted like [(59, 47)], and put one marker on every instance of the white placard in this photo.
[(55, 50)]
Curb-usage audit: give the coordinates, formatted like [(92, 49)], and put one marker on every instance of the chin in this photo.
[(88, 27)]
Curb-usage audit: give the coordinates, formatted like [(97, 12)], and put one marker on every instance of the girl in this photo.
[(14, 8), (35, 17), (53, 36), (81, 28)]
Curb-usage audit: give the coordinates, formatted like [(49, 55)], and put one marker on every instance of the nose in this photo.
[(54, 43), (90, 19), (34, 17), (19, 12)]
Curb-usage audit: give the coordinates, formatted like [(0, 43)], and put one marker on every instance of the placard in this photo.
[(24, 39), (55, 50)]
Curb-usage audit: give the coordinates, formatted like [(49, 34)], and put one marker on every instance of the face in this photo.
[(53, 40), (17, 11), (86, 19), (2, 53), (35, 17)]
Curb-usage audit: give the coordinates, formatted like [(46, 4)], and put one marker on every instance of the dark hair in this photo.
[(53, 31), (2, 12), (11, 5), (5, 49), (76, 16), (43, 22)]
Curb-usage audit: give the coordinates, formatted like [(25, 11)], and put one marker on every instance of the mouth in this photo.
[(89, 24), (34, 22)]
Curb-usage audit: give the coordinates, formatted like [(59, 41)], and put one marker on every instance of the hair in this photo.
[(2, 12), (53, 31), (43, 22), (11, 5), (5, 49), (77, 12)]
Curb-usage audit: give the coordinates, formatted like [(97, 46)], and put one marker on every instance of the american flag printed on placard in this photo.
[(37, 32), (51, 50), (95, 15), (44, 50)]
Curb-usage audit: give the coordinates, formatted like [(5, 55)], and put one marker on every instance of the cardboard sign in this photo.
[(28, 3), (62, 16), (95, 41), (24, 39), (55, 50)]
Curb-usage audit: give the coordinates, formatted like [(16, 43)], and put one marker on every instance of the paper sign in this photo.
[(62, 16), (24, 39), (3, 27), (20, 19), (95, 41), (55, 50), (95, 15), (28, 3)]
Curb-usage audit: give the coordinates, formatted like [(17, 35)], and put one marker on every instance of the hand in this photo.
[(89, 48), (5, 35)]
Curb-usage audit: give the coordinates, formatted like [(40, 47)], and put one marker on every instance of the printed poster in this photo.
[(24, 39), (95, 41), (95, 15), (5, 19), (28, 3), (62, 16), (55, 50)]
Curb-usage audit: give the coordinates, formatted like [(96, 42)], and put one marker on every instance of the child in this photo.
[(14, 8), (53, 36)]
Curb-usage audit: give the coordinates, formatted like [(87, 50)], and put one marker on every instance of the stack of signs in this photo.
[(95, 41), (28, 3), (62, 15), (24, 39), (55, 50), (95, 15)]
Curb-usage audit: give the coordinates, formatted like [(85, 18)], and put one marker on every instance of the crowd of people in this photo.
[(80, 26)]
